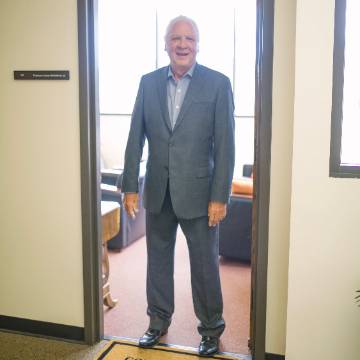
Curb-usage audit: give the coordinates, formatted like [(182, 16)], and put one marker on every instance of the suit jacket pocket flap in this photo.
[(203, 172)]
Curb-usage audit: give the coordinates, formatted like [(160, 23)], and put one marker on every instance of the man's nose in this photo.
[(183, 42)]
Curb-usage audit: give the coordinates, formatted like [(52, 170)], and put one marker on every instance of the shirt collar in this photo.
[(188, 73)]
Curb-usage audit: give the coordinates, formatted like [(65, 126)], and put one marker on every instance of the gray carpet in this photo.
[(20, 347)]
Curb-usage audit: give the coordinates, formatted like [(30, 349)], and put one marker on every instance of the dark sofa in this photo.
[(235, 231), (130, 229)]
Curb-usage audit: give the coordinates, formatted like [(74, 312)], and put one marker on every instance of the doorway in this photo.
[(91, 174), (228, 47)]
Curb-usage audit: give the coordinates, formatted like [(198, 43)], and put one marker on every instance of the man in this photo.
[(185, 111)]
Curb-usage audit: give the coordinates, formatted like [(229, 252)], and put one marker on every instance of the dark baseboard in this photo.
[(42, 328), (269, 356)]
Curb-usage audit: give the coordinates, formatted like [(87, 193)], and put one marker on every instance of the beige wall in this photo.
[(323, 321), (281, 160), (40, 232)]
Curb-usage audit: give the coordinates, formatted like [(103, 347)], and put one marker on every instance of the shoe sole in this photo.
[(207, 355)]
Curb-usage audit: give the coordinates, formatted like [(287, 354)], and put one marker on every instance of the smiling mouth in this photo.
[(182, 54)]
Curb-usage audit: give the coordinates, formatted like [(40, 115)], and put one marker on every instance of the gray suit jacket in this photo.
[(196, 157)]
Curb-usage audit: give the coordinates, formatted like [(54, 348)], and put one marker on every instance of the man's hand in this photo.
[(131, 204), (216, 212)]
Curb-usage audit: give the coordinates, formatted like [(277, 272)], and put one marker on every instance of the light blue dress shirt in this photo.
[(176, 91)]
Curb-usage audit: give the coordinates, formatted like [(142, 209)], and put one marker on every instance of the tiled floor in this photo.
[(21, 347)]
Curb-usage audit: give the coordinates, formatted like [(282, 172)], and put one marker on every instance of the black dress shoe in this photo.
[(151, 338), (209, 345)]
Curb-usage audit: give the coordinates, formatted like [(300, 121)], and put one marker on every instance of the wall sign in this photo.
[(42, 75)]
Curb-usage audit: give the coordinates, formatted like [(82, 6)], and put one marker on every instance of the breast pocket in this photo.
[(201, 105), (200, 113)]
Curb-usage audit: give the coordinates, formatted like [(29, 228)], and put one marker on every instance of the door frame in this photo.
[(262, 163), (90, 172)]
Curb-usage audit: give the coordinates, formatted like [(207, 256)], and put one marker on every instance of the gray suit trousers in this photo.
[(203, 244)]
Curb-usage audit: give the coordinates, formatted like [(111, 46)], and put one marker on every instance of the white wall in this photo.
[(281, 160), (323, 321), (40, 215)]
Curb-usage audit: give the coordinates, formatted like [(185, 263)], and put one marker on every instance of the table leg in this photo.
[(108, 300)]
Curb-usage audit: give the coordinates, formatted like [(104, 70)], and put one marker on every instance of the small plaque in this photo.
[(42, 75)]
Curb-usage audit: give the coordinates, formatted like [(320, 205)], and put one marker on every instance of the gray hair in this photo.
[(184, 19)]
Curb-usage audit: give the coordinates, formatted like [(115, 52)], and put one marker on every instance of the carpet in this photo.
[(128, 350)]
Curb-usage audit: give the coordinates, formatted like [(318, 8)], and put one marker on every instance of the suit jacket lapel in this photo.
[(162, 92), (194, 88)]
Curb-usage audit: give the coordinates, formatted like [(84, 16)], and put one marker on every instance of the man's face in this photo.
[(181, 46)]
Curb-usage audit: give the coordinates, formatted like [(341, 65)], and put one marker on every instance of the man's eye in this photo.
[(190, 39), (176, 38)]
